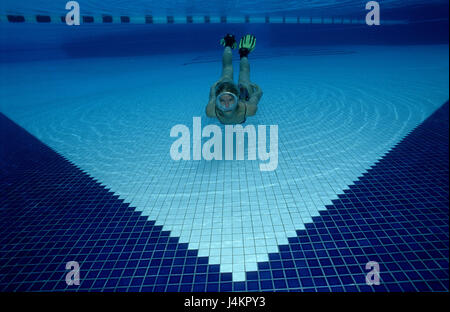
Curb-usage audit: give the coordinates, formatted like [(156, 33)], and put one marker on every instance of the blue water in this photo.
[(105, 97)]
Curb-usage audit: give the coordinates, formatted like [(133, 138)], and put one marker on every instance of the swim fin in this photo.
[(246, 45), (228, 41)]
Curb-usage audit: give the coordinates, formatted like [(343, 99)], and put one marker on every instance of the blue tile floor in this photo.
[(396, 214)]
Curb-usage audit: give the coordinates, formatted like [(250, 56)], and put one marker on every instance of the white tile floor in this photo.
[(337, 115)]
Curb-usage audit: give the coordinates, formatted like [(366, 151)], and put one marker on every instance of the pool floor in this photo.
[(351, 186)]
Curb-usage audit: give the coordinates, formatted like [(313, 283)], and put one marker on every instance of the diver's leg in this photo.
[(246, 45), (227, 64), (244, 78), (244, 71)]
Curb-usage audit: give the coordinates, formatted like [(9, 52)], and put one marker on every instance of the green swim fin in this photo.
[(246, 45)]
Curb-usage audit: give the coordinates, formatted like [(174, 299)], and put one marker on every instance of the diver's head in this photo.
[(227, 95)]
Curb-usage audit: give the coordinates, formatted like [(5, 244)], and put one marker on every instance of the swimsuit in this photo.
[(243, 93)]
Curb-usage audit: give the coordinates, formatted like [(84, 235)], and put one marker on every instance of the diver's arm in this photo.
[(252, 104), (211, 107)]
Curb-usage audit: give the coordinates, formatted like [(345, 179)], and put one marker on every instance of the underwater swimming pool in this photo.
[(87, 173)]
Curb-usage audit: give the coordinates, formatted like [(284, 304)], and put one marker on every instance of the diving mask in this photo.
[(226, 101)]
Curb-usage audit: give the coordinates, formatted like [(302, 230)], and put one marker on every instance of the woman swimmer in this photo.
[(229, 103)]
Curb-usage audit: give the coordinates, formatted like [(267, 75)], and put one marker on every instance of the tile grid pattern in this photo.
[(150, 19), (396, 214)]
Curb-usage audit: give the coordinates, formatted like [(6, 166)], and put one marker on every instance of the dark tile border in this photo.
[(395, 214)]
